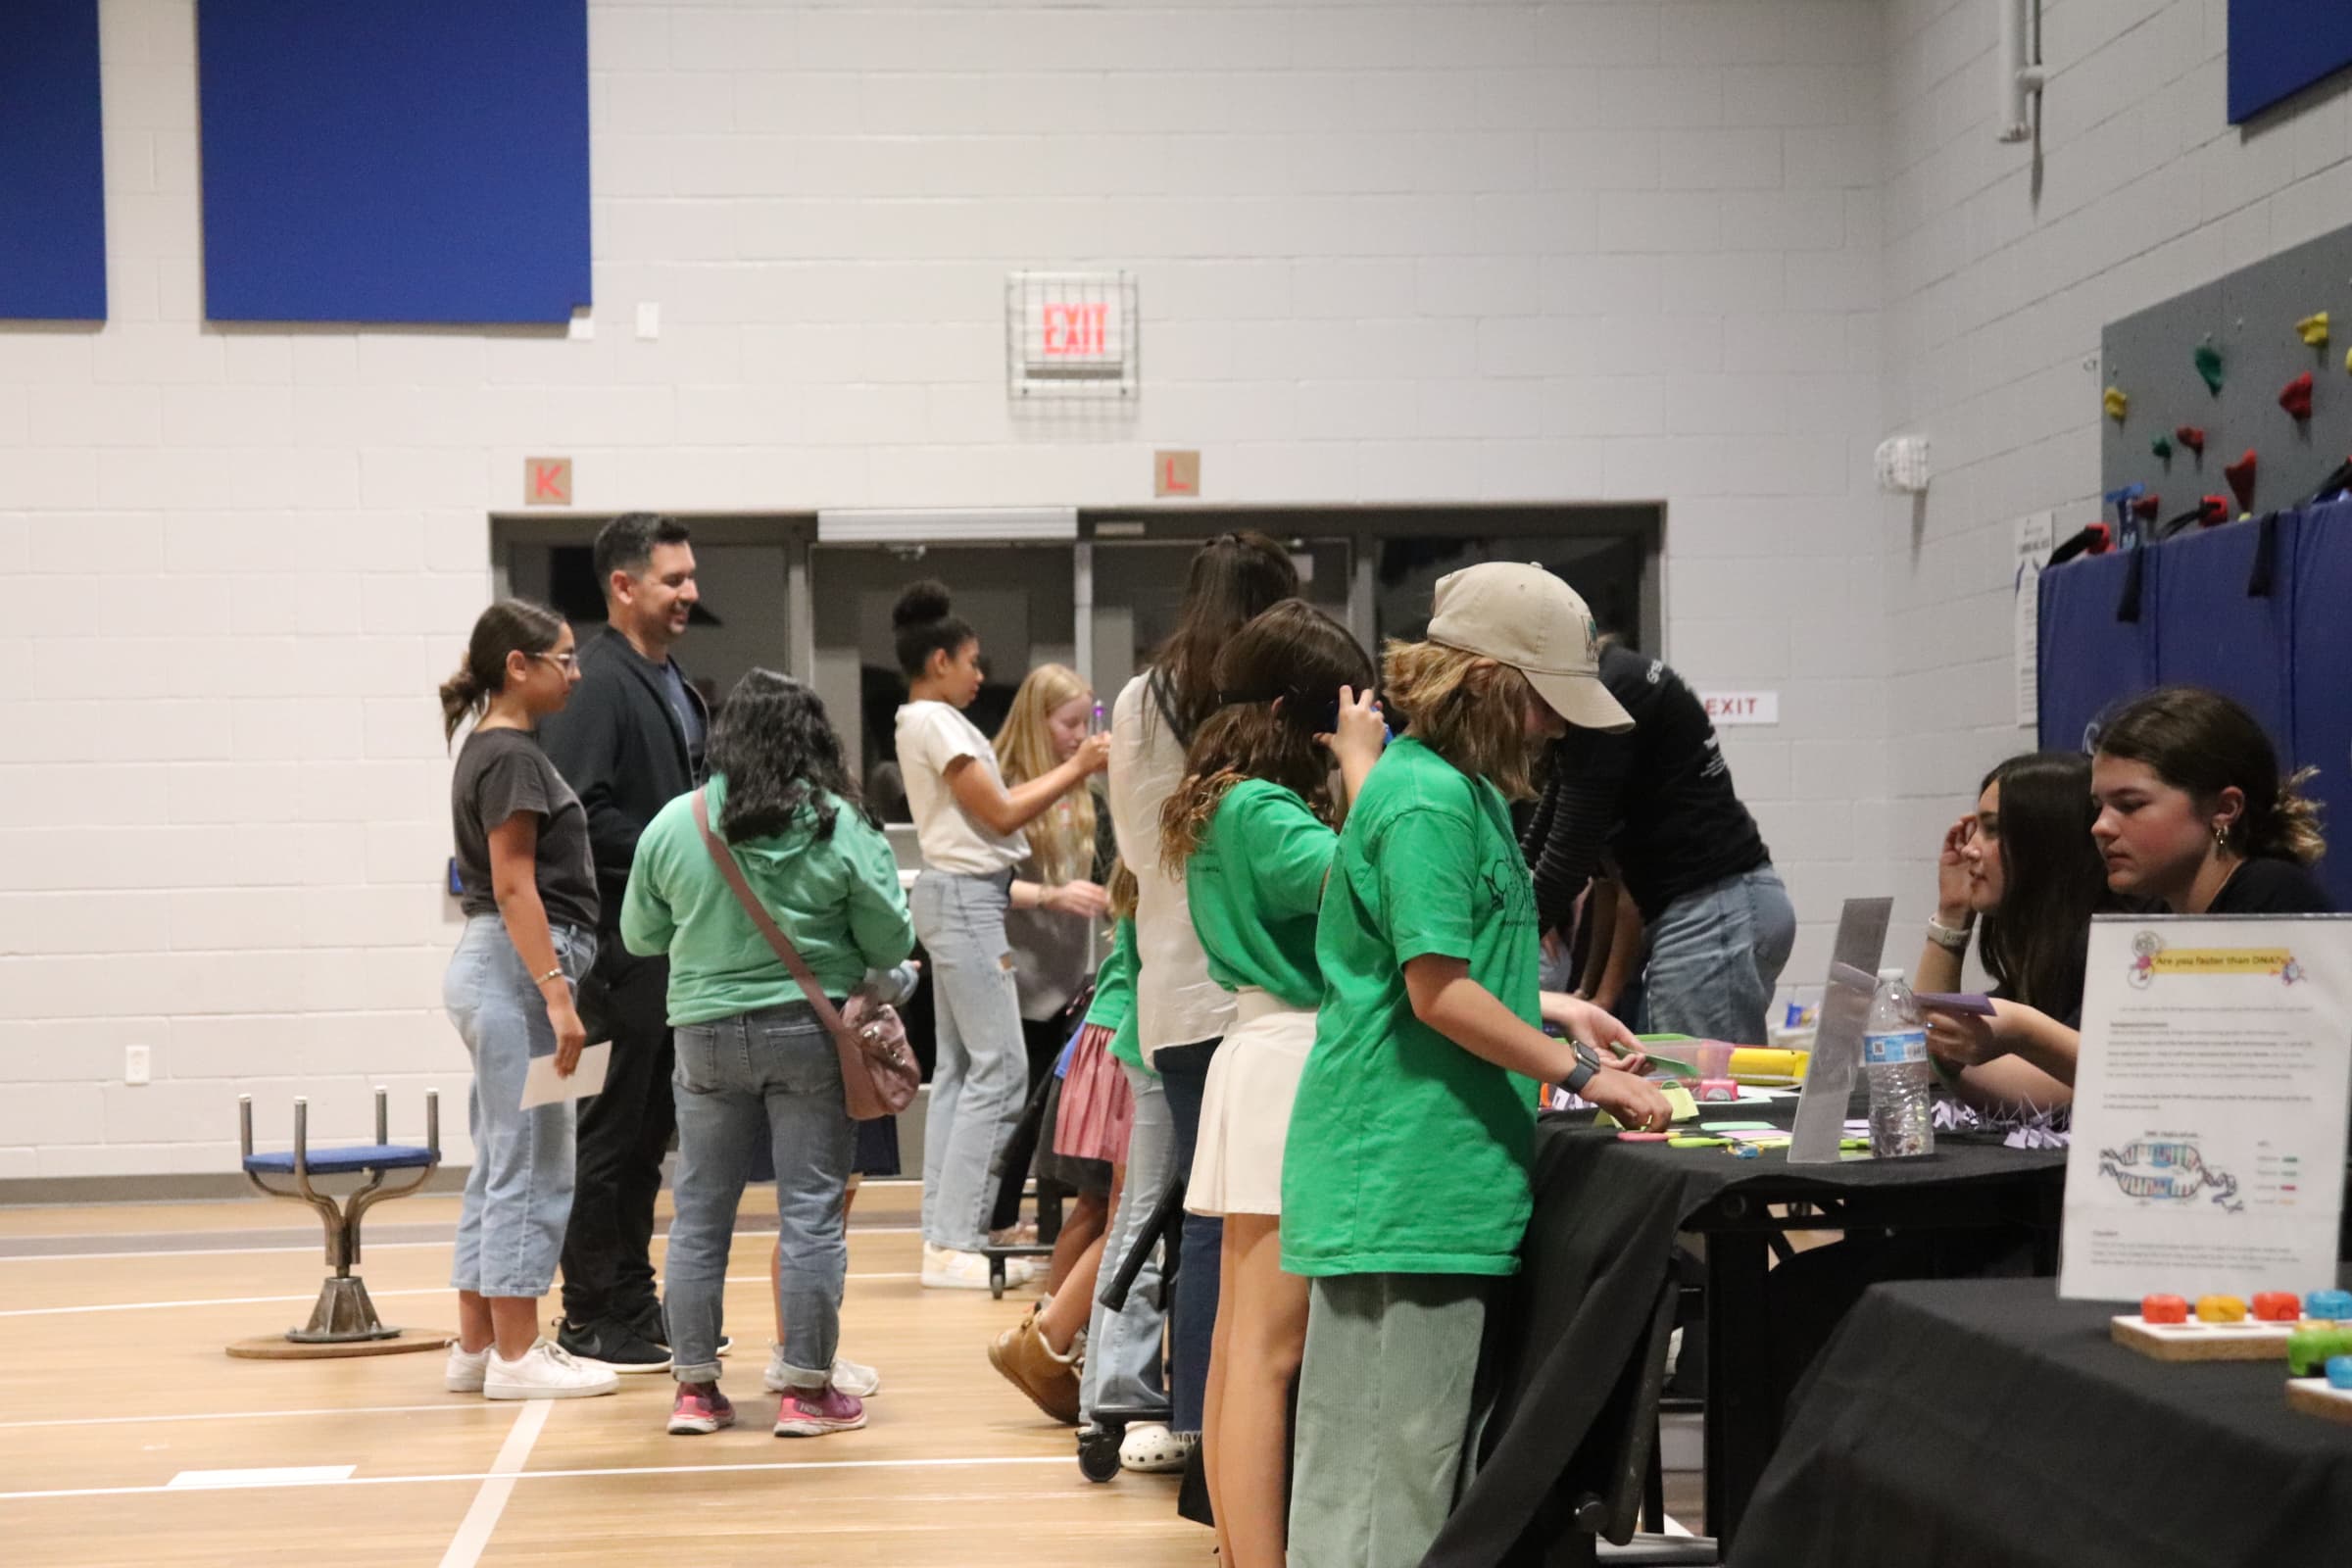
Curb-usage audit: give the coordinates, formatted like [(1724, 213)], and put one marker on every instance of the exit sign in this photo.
[(1743, 707), (1070, 335)]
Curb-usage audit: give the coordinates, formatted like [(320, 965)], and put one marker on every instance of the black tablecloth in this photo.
[(1976, 1423), (1574, 1347)]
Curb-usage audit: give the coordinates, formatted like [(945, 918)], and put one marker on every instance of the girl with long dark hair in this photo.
[(530, 907), (1181, 1012), (2023, 874), (755, 1065), (1251, 829)]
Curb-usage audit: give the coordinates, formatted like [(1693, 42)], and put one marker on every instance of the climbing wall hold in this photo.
[(2212, 509), (2295, 397), (2145, 508), (2191, 436), (2162, 446), (2313, 330), (2209, 366), (2240, 476), (2117, 403)]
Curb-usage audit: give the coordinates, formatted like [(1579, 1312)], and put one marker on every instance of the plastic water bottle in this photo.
[(1894, 1055)]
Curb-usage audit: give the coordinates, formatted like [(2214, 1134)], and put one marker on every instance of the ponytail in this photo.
[(510, 627), (2290, 831)]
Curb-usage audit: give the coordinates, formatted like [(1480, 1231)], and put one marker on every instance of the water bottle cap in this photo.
[(1891, 974)]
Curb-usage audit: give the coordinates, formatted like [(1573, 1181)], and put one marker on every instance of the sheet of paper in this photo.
[(541, 1085), (1830, 1072), (2034, 538), (2210, 1106)]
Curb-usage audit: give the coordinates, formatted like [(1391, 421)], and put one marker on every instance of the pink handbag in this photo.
[(878, 1073)]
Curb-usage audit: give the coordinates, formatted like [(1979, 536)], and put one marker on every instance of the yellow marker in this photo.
[(2313, 330), (2118, 403)]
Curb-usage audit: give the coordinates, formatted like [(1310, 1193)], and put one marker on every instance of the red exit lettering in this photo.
[(1730, 707), (1076, 329)]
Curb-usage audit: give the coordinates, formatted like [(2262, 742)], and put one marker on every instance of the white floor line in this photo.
[(373, 1247), (1674, 1527), (577, 1475), (300, 1475), (481, 1517), (263, 1301), (241, 1415)]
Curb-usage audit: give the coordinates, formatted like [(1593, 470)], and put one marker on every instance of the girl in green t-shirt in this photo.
[(1247, 830), (1405, 1192)]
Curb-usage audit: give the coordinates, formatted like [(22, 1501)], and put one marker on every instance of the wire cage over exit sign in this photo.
[(1071, 335)]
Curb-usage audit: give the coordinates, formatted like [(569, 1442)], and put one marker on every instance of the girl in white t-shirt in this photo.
[(970, 826)]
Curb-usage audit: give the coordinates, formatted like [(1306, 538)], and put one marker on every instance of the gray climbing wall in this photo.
[(2250, 316)]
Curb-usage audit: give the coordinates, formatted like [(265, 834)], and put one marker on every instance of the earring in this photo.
[(2220, 835)]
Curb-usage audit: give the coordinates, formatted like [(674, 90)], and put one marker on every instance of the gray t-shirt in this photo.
[(502, 771), (690, 717)]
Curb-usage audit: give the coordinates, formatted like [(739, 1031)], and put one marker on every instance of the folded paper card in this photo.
[(542, 1087)]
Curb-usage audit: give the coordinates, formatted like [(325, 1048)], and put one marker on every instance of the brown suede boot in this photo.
[(1030, 1365)]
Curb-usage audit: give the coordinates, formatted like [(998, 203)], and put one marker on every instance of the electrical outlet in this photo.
[(137, 1065)]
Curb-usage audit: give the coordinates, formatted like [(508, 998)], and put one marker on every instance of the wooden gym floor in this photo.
[(127, 1435)]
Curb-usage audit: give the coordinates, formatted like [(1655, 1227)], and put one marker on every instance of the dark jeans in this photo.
[(624, 1134), (1193, 1309)]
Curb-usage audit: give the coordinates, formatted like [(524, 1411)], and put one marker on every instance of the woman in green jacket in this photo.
[(755, 1065)]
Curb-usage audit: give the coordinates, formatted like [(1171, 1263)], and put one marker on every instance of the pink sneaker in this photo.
[(700, 1411), (812, 1415)]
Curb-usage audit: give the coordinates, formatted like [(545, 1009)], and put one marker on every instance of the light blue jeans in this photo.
[(519, 1193), (980, 1080), (1715, 956), (1123, 1348), (768, 1080)]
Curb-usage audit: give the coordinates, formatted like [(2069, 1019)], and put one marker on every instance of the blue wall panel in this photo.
[(2323, 651), (426, 160), (2087, 658), (52, 163), (2210, 632), (2279, 47)]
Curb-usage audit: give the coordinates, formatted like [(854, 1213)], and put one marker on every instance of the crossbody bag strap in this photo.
[(732, 870)]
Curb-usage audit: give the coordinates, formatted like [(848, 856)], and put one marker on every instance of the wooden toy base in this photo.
[(277, 1347), (2192, 1341), (2313, 1397)]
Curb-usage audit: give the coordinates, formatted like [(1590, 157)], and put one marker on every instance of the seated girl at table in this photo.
[(1247, 828), (2192, 817), (2023, 874), (1405, 1188)]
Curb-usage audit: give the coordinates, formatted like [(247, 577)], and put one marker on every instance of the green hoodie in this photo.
[(838, 899)]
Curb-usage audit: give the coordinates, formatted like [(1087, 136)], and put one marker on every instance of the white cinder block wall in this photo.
[(1437, 250), (1995, 300)]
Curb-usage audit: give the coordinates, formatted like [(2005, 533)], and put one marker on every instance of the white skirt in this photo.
[(1246, 1107)]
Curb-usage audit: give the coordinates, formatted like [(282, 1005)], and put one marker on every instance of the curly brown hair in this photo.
[(1468, 708), (1294, 656)]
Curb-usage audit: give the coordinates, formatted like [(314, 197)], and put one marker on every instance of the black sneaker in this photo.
[(653, 1325), (612, 1345)]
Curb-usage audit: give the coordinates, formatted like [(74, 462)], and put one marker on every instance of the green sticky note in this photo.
[(1697, 1143), (1737, 1127)]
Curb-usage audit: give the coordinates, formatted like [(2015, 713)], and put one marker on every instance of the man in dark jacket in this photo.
[(629, 742)]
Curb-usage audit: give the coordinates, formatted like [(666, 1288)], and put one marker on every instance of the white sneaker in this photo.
[(546, 1371), (1151, 1449), (945, 1269), (464, 1373), (853, 1378)]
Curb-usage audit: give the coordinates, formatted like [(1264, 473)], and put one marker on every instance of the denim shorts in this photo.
[(519, 1193)]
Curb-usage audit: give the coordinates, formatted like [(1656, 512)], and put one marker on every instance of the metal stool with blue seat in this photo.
[(344, 1321)]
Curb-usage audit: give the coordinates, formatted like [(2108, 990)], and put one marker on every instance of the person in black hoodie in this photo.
[(628, 743), (1659, 795)]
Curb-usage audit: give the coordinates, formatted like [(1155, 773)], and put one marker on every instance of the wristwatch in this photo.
[(1586, 1064)]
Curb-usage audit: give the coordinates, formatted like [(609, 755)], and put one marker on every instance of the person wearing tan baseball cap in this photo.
[(1524, 616), (1405, 1190)]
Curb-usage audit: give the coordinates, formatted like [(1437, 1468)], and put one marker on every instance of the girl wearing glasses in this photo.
[(530, 907)]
